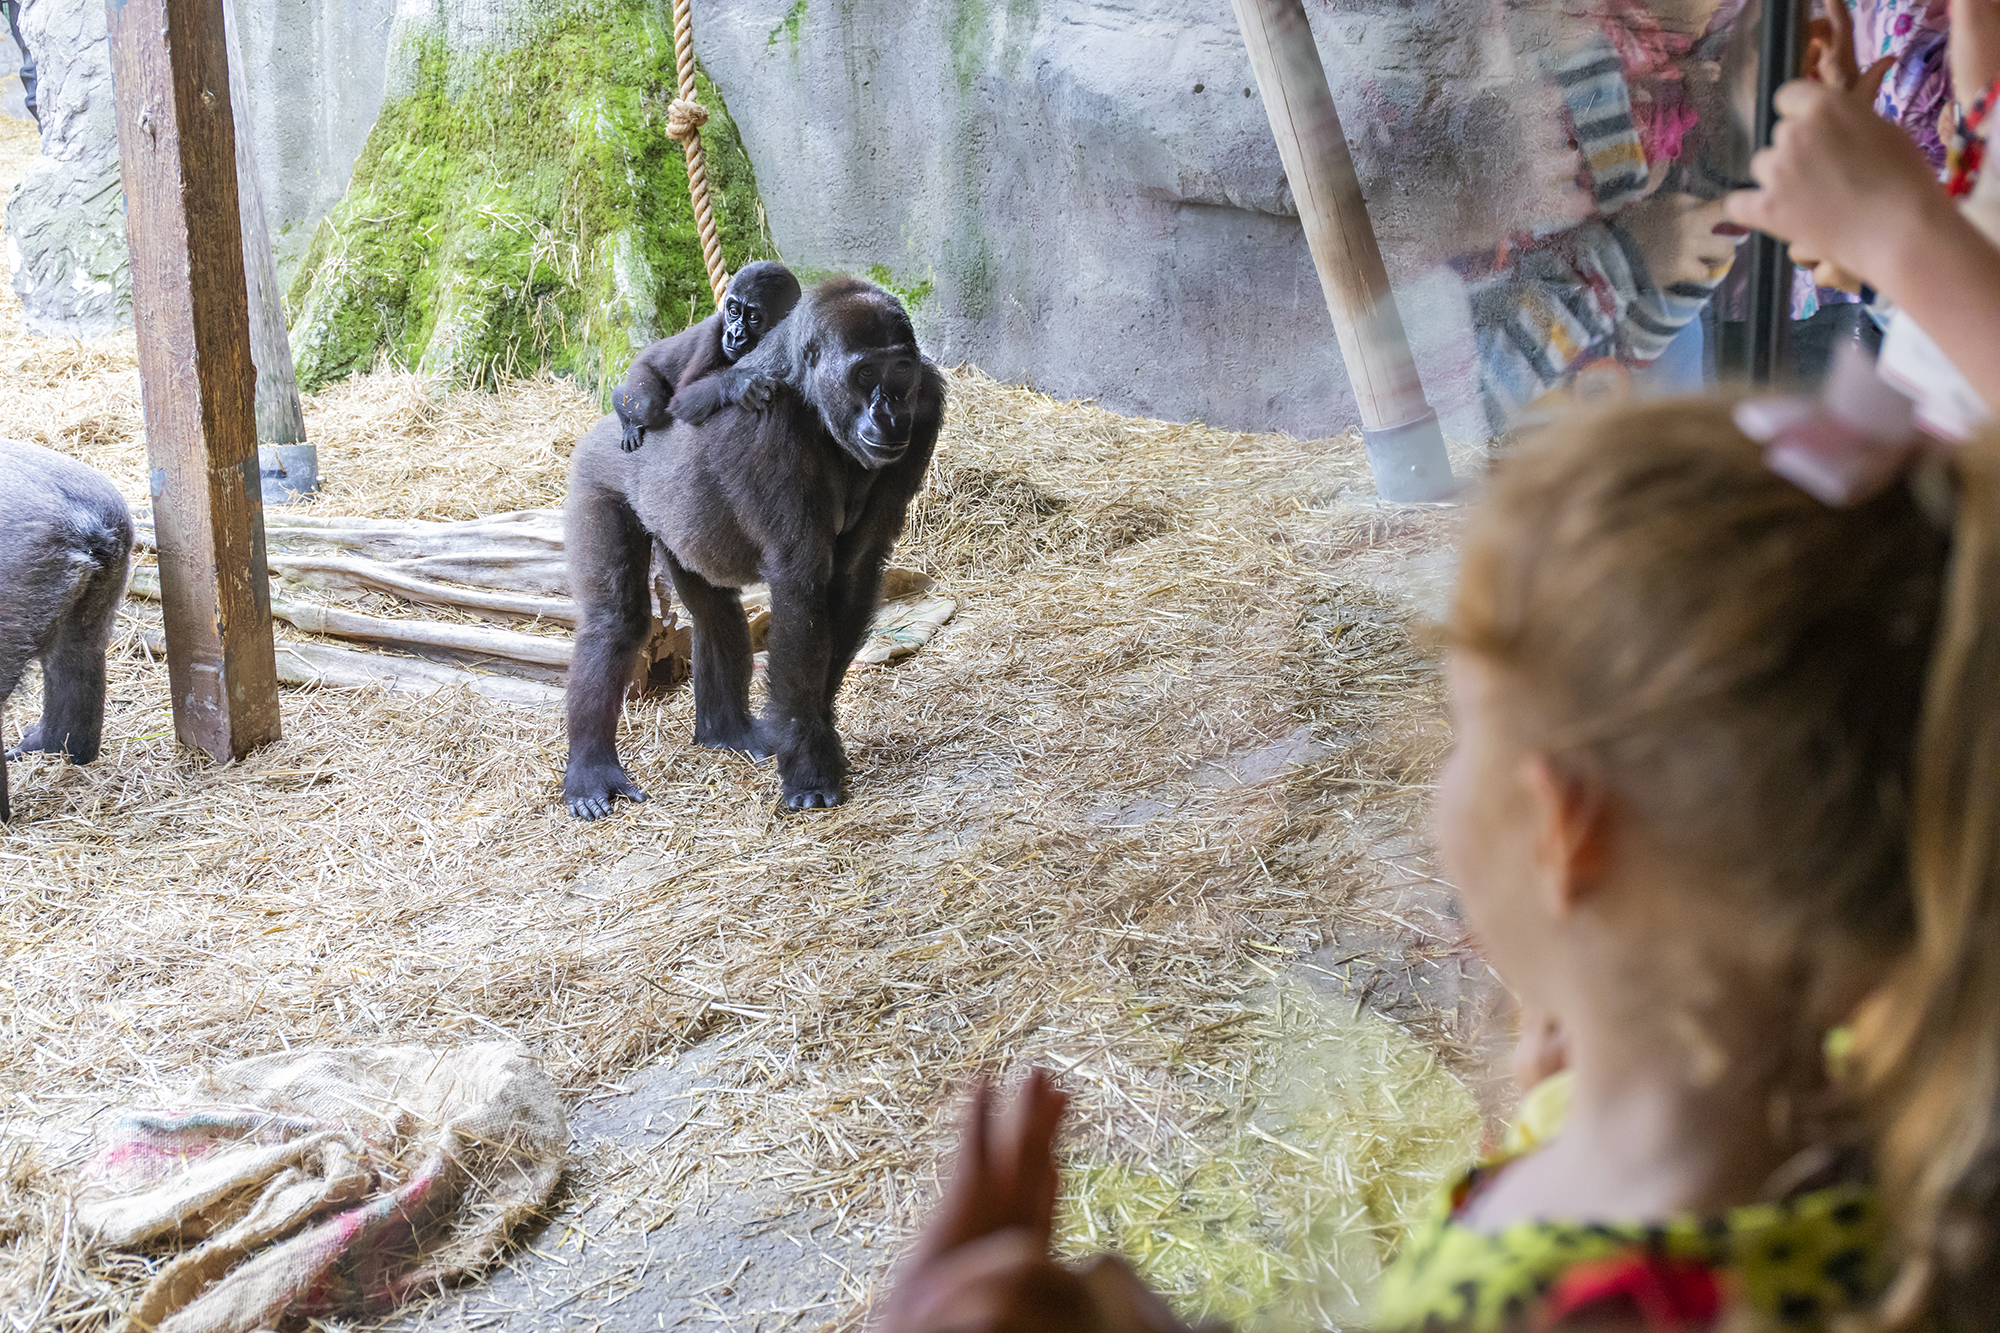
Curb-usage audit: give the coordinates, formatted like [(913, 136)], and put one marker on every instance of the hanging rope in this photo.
[(685, 117)]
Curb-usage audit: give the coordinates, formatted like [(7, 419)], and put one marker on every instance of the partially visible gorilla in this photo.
[(65, 550), (757, 300), (807, 495)]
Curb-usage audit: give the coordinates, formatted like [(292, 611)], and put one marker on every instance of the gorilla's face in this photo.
[(759, 297), (872, 394)]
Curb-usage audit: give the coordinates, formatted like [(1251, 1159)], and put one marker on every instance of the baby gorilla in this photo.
[(65, 547), (758, 298)]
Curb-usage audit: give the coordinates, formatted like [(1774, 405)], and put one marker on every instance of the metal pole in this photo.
[(1771, 266), (1405, 447)]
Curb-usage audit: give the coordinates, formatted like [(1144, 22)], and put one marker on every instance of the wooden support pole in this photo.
[(289, 465), (1405, 448), (177, 153)]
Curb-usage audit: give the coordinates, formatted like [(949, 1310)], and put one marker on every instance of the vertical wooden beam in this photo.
[(177, 151), (289, 466), (1405, 447)]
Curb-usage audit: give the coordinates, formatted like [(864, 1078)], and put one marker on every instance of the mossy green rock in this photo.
[(520, 205)]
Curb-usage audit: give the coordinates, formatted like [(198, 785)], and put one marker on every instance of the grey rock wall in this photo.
[(315, 72), (1091, 189), (65, 221)]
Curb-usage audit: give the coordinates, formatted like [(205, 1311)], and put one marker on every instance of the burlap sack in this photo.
[(326, 1182)]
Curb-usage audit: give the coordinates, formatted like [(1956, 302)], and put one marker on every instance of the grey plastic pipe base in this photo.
[(289, 472), (1409, 461)]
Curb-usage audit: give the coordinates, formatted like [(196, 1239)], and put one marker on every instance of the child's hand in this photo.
[(983, 1264), (1974, 47), (1003, 1180), (1830, 55), (1677, 233), (1838, 181)]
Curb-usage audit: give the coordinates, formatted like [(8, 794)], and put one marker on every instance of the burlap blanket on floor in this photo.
[(326, 1181)]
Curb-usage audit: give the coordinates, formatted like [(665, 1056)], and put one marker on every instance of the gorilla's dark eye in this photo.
[(753, 318), (732, 307), (865, 376)]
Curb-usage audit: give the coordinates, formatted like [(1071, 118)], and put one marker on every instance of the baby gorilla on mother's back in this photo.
[(807, 495), (757, 301)]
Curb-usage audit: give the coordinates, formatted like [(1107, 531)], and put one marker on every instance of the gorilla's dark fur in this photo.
[(757, 300), (807, 495), (65, 548)]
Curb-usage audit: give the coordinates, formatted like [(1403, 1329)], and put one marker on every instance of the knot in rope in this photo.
[(685, 117)]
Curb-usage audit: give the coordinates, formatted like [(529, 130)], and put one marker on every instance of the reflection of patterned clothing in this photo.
[(1919, 84), (1546, 306), (1914, 94), (1796, 1265)]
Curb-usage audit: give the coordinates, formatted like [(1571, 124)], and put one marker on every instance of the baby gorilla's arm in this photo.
[(736, 386)]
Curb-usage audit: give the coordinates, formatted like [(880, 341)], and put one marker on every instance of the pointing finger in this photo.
[(1800, 96), (1871, 82), (1746, 207)]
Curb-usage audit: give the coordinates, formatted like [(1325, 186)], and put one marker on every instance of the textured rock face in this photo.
[(1086, 194), (315, 72), (65, 223), (519, 203)]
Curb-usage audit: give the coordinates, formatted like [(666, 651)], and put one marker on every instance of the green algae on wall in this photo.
[(788, 26), (523, 207)]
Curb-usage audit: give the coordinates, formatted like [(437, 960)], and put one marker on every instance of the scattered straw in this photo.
[(1068, 842)]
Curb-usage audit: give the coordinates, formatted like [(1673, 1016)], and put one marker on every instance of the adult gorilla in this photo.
[(795, 468)]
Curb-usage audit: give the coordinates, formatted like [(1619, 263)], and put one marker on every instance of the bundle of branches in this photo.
[(435, 591)]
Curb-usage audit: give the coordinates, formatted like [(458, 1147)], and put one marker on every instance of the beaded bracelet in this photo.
[(1968, 143)]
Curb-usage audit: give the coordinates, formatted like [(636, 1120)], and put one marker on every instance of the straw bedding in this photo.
[(1062, 845)]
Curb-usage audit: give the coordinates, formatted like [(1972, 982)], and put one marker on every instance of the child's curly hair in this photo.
[(1802, 705)]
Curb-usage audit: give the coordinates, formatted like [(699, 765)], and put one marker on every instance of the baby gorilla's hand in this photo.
[(756, 390)]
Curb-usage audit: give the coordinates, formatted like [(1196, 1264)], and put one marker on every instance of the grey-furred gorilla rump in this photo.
[(65, 550), (807, 495), (756, 301)]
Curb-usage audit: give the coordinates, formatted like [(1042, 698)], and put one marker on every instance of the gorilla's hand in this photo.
[(756, 390), (631, 418), (699, 401)]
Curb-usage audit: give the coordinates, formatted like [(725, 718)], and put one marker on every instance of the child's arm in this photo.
[(1851, 189)]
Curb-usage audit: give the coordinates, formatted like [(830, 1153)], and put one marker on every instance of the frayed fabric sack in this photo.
[(326, 1182)]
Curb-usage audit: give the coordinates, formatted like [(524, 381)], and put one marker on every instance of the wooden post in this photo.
[(1405, 448), (177, 153)]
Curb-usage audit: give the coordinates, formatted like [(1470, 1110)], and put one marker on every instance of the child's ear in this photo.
[(1571, 821)]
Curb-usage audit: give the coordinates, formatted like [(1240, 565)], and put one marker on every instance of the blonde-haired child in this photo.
[(1726, 778)]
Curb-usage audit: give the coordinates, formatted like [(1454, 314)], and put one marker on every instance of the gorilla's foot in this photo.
[(812, 798), (747, 739), (589, 790)]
